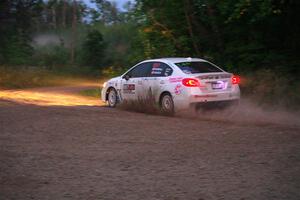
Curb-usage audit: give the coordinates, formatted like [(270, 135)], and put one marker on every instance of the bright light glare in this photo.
[(43, 98), (235, 79), (190, 82)]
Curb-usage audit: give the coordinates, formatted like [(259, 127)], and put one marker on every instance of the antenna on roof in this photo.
[(189, 58)]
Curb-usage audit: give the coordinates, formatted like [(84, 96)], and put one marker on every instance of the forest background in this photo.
[(257, 39)]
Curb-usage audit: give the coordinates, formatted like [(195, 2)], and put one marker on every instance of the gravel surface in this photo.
[(93, 152)]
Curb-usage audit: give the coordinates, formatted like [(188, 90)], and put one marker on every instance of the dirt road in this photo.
[(56, 145)]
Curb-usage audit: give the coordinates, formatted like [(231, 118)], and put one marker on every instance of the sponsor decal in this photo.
[(178, 89), (156, 69), (129, 88), (175, 79)]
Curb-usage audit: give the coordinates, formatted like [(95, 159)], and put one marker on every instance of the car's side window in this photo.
[(159, 69), (142, 70)]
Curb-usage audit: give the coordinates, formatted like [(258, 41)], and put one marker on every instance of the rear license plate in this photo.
[(218, 85)]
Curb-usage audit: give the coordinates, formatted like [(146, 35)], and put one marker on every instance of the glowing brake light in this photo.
[(190, 82), (235, 79)]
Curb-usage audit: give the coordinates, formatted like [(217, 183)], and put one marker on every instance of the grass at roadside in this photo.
[(272, 90), (29, 78), (95, 92)]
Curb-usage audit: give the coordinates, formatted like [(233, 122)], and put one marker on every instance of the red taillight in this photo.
[(235, 79), (190, 82)]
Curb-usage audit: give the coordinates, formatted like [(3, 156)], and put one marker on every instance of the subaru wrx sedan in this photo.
[(175, 83)]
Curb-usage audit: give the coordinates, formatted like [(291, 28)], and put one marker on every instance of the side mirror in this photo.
[(126, 77)]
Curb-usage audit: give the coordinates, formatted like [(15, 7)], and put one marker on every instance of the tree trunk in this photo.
[(53, 16), (74, 29), (64, 14), (212, 14), (187, 10)]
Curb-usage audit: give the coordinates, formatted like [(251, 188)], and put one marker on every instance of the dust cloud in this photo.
[(247, 112), (50, 39), (45, 39)]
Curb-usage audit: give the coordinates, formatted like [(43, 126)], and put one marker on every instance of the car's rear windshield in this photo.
[(197, 67)]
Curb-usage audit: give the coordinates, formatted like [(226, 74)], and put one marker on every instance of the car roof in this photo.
[(175, 60)]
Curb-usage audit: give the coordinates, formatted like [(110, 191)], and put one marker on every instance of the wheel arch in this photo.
[(163, 93)]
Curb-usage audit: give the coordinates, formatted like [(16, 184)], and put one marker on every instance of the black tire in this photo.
[(167, 104), (112, 98)]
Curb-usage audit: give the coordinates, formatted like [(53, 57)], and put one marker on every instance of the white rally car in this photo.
[(175, 83)]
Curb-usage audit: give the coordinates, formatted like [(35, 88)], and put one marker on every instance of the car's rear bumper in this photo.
[(212, 97), (185, 102)]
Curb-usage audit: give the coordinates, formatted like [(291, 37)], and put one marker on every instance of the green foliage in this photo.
[(51, 56), (245, 35), (15, 19), (111, 71), (163, 32), (17, 51), (123, 46), (25, 78), (107, 12), (93, 49), (29, 77), (95, 93), (269, 87)]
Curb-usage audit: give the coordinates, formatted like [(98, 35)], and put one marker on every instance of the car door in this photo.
[(132, 82), (157, 79)]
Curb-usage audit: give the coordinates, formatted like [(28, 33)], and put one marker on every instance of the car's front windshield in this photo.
[(197, 67)]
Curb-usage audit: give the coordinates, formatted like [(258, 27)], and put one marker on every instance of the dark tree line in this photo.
[(15, 22), (242, 36)]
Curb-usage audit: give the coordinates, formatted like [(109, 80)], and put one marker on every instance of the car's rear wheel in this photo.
[(112, 98), (167, 104)]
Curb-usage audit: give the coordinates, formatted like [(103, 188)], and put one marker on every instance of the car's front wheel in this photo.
[(167, 104), (112, 98)]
